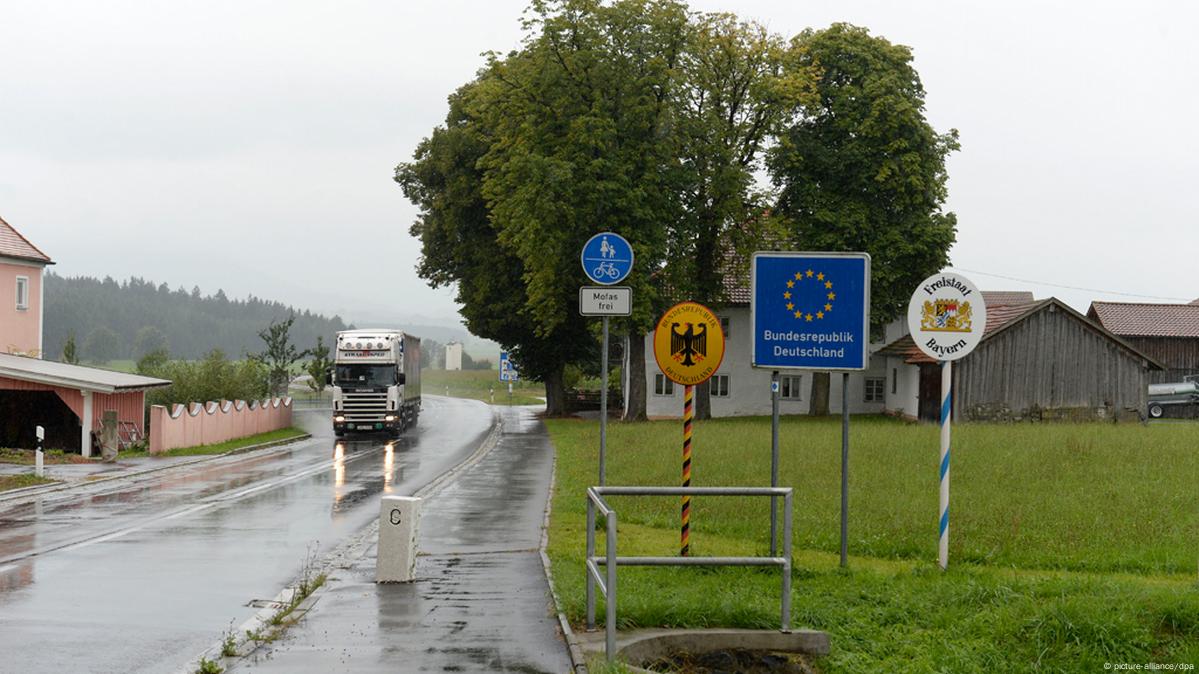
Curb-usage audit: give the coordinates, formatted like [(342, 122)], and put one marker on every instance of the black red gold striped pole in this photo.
[(688, 415)]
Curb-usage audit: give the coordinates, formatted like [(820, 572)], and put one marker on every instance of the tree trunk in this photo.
[(820, 386), (703, 401), (555, 393), (636, 393)]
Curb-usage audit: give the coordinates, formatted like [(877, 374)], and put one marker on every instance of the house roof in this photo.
[(995, 298), (1133, 319), (12, 244), (1000, 318), (94, 379)]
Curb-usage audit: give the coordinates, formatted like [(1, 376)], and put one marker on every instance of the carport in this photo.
[(86, 391)]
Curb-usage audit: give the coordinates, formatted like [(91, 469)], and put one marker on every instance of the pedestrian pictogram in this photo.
[(607, 258)]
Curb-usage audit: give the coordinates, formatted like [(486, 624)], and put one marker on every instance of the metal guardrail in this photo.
[(610, 560)]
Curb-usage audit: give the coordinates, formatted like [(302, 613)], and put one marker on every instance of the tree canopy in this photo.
[(653, 121), (859, 168)]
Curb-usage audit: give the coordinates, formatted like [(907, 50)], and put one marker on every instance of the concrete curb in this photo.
[(341, 557), (17, 496), (578, 662)]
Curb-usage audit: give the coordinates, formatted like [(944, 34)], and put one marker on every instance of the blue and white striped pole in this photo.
[(946, 409)]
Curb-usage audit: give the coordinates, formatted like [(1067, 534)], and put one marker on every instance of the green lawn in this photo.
[(18, 481), (1070, 546), (477, 384)]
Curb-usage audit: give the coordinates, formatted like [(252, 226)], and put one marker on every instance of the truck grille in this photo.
[(364, 406)]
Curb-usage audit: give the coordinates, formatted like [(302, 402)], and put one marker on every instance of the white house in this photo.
[(740, 390), (891, 385)]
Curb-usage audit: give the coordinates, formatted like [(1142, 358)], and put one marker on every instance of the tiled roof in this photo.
[(1147, 320), (995, 298), (998, 316), (1001, 317), (12, 244)]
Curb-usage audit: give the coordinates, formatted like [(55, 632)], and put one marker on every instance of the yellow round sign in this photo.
[(688, 343)]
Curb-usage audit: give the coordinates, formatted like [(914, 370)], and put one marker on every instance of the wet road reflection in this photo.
[(143, 576)]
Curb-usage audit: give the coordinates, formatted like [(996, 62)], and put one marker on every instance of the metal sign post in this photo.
[(844, 469), (605, 302), (689, 347), (947, 318), (603, 456), (607, 259), (774, 460), (508, 373), (811, 311)]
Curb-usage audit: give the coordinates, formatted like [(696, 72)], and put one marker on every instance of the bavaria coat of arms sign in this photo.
[(947, 316)]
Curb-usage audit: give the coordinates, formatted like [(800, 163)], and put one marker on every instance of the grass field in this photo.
[(1071, 546), (477, 384), (18, 481)]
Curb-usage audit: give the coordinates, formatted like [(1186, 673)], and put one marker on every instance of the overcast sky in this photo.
[(250, 145)]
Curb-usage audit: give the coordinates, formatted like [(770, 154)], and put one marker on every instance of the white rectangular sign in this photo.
[(605, 301)]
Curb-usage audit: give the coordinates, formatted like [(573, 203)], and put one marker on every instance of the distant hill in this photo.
[(191, 323)]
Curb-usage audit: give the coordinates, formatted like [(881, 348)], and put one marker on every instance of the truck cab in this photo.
[(375, 382)]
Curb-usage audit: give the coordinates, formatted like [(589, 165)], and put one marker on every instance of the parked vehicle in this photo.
[(1165, 396), (375, 381)]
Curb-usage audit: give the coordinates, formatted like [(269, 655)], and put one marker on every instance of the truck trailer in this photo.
[(376, 382)]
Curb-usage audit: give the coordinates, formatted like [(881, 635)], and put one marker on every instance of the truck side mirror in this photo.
[(400, 379)]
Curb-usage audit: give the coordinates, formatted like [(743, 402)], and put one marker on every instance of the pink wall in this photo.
[(210, 423), (20, 331)]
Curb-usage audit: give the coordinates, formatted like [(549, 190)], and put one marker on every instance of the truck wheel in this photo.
[(1155, 411)]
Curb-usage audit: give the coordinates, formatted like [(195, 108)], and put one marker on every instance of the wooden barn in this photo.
[(1038, 360), (1168, 333)]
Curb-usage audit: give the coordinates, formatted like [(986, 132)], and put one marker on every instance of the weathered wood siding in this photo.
[(1052, 364), (1180, 355)]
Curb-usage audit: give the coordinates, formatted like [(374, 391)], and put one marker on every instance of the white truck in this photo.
[(376, 382)]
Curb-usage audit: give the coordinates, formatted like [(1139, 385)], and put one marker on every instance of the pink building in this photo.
[(21, 267), (67, 400)]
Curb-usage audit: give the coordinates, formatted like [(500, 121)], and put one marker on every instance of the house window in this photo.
[(894, 380), (22, 292), (719, 386), (789, 387), (724, 326), (663, 386), (875, 386)]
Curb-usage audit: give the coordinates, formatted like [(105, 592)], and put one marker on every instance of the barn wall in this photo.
[(1050, 366), (1180, 355)]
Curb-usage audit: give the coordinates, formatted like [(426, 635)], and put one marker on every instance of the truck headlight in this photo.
[(339, 418), (389, 417)]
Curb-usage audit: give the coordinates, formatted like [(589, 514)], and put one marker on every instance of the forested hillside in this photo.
[(117, 320)]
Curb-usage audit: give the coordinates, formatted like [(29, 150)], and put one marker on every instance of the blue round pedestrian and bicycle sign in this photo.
[(607, 258)]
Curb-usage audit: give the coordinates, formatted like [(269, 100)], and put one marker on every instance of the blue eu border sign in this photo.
[(810, 311)]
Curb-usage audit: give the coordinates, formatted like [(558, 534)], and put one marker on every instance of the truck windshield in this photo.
[(366, 375)]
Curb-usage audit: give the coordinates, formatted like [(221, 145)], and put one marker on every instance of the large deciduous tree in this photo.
[(734, 90), (569, 136), (860, 168), (460, 246)]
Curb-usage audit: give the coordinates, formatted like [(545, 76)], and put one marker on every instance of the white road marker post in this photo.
[(39, 456), (399, 517)]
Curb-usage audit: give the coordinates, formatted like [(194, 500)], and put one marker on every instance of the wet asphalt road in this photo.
[(142, 576), (480, 601)]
